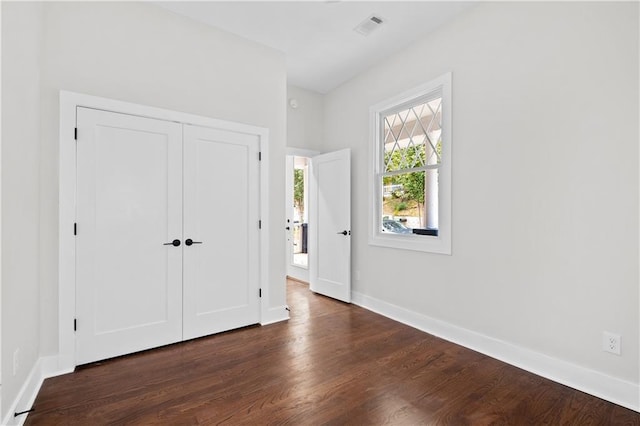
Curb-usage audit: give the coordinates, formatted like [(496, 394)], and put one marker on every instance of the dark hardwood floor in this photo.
[(332, 363)]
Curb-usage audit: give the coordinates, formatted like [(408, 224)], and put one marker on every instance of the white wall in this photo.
[(545, 179), (305, 124), (21, 42), (134, 52)]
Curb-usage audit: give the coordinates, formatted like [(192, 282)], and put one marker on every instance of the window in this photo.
[(411, 169)]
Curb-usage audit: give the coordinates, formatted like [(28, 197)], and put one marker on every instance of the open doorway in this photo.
[(297, 211), (300, 225)]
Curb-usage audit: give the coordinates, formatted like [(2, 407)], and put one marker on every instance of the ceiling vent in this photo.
[(369, 25)]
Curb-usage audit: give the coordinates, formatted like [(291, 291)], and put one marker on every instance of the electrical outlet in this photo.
[(16, 361), (611, 342)]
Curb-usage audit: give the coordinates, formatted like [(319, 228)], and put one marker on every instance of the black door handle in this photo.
[(189, 242), (287, 228), (174, 243), (343, 232)]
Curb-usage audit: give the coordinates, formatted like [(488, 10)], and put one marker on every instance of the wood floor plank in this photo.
[(331, 363)]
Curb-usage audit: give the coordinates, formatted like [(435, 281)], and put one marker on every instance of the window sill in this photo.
[(424, 243)]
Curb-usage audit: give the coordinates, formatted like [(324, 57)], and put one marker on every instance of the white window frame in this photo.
[(432, 244)]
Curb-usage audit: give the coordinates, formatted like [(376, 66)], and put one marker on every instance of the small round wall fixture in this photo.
[(293, 103)]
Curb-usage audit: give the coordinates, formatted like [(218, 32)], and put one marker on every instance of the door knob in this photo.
[(174, 243), (344, 232), (287, 228), (189, 242)]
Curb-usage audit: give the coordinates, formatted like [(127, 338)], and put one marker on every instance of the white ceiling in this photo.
[(317, 37)]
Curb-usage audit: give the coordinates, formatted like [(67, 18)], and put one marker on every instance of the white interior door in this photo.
[(330, 225), (128, 283), (221, 214)]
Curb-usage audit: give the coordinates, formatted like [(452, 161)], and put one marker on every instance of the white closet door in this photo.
[(129, 192), (221, 205)]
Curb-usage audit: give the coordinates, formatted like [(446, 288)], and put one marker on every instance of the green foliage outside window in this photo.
[(298, 190), (413, 182)]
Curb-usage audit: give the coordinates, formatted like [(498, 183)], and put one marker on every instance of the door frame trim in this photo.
[(69, 101)]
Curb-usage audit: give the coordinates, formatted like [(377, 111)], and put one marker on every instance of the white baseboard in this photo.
[(44, 368), (277, 314), (618, 391)]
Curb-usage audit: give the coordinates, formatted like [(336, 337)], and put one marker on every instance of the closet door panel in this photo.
[(221, 204), (129, 192)]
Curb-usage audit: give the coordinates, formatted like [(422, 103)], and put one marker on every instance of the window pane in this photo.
[(412, 137), (431, 123), (410, 201)]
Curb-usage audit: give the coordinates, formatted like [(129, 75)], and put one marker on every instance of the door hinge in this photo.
[(75, 133), (259, 224), (75, 324), (75, 229), (260, 156), (259, 292)]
